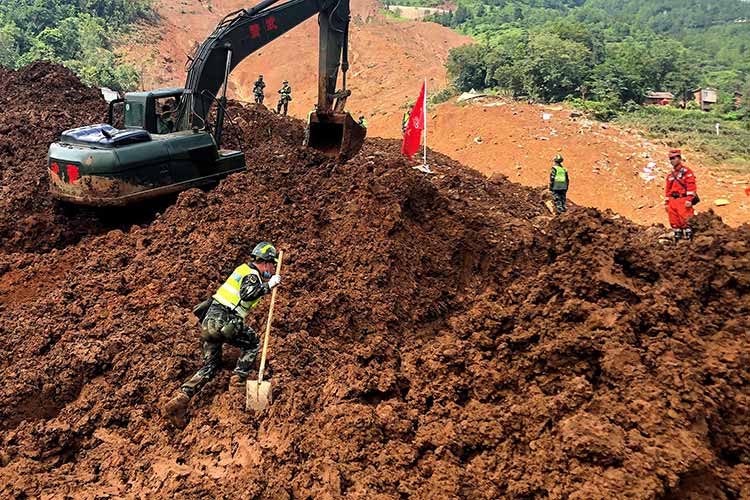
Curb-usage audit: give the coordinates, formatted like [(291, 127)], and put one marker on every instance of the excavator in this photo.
[(171, 138)]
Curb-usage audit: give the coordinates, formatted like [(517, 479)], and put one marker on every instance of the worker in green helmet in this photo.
[(558, 184), (222, 322)]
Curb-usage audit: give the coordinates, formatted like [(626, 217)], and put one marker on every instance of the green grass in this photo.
[(392, 15), (696, 130)]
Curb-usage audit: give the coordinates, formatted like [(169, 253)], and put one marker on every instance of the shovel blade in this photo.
[(258, 395)]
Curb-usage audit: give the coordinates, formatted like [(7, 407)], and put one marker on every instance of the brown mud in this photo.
[(436, 337), (38, 103)]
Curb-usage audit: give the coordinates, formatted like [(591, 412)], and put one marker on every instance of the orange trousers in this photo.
[(679, 214)]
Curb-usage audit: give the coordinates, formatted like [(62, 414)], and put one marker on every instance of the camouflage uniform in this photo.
[(258, 91), (285, 96), (222, 326)]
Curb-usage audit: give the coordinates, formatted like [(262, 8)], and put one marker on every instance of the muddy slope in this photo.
[(436, 337), (38, 103)]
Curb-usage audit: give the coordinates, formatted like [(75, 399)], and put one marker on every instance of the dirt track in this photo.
[(437, 337)]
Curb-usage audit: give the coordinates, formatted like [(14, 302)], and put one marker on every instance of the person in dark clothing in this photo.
[(259, 90)]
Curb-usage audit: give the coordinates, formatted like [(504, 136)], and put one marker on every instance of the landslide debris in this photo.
[(436, 337), (38, 102)]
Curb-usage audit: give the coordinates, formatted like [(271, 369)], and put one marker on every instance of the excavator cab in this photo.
[(168, 143), (153, 111)]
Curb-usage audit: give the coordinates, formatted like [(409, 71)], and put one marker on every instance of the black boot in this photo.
[(677, 234), (688, 234)]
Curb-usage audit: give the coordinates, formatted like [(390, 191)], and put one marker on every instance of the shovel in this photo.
[(258, 392)]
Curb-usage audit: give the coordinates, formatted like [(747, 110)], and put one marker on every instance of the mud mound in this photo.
[(38, 102), (436, 337)]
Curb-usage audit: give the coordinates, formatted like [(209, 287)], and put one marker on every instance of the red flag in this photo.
[(415, 126)]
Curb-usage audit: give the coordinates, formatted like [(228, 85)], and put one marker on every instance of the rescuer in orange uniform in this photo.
[(680, 196)]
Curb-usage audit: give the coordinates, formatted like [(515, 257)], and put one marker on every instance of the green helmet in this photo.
[(558, 159), (264, 251)]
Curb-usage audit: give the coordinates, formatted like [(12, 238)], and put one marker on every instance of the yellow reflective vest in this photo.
[(228, 294), (559, 178)]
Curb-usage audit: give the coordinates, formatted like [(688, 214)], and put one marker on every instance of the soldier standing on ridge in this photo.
[(285, 95), (258, 90), (558, 184)]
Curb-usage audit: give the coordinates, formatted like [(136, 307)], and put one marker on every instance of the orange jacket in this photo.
[(680, 184)]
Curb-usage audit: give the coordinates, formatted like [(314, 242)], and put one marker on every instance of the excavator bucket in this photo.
[(336, 135)]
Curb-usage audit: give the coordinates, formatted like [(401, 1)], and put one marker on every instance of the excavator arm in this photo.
[(243, 32)]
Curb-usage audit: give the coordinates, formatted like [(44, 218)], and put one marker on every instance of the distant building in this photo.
[(705, 97), (658, 98)]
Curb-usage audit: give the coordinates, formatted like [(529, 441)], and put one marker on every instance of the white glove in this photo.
[(274, 281)]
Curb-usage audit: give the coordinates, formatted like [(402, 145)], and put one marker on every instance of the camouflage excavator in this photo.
[(169, 142)]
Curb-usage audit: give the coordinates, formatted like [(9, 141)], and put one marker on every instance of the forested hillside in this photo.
[(612, 51), (77, 33)]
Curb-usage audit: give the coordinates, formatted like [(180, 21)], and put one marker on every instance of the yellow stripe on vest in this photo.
[(228, 294)]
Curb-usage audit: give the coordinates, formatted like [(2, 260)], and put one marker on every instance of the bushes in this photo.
[(616, 50), (695, 128), (602, 111), (550, 67), (443, 95), (76, 33)]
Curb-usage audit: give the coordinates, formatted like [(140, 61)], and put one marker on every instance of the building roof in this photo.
[(660, 95)]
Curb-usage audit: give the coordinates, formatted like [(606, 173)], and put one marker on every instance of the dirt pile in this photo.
[(437, 337), (38, 102)]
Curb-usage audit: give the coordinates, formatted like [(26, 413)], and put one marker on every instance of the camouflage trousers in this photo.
[(259, 96), (222, 326), (561, 201), (283, 104)]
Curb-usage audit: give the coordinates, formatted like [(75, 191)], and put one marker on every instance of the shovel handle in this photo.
[(268, 323)]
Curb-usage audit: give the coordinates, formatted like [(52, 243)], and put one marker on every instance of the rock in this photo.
[(703, 241)]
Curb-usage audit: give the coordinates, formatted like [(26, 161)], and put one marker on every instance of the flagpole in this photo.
[(424, 158)]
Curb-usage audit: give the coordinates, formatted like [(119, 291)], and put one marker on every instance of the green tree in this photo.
[(78, 33), (9, 48), (461, 15), (554, 67), (466, 67)]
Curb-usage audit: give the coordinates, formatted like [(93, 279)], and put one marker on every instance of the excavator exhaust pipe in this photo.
[(336, 135)]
